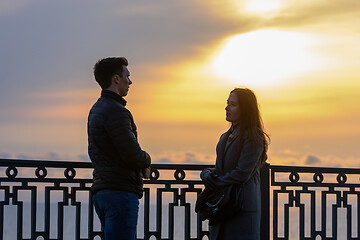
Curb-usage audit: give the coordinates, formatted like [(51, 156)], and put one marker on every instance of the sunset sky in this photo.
[(302, 59)]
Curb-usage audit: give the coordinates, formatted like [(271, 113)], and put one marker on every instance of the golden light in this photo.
[(265, 57), (262, 6)]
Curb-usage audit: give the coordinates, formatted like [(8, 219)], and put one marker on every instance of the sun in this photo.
[(264, 57)]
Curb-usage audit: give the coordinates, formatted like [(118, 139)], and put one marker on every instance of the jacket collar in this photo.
[(233, 134), (227, 139), (113, 95), (235, 130)]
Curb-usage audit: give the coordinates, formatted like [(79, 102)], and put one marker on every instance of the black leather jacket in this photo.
[(113, 147)]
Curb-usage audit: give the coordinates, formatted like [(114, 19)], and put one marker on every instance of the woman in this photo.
[(241, 151)]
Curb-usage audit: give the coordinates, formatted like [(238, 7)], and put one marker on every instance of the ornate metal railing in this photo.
[(51, 200), (320, 203)]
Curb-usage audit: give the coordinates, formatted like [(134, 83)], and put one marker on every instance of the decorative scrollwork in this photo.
[(11, 172), (154, 175), (294, 177), (41, 172), (318, 177), (69, 173), (179, 174), (341, 178)]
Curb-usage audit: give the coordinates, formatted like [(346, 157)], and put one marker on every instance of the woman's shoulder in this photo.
[(225, 133), (253, 138)]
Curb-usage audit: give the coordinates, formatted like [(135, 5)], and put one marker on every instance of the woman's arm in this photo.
[(248, 160)]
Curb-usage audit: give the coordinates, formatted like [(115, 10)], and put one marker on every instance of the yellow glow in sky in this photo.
[(265, 57), (262, 6)]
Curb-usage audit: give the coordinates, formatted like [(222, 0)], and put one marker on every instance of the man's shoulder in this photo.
[(110, 109), (108, 104)]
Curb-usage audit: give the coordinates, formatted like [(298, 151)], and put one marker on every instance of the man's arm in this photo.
[(120, 131)]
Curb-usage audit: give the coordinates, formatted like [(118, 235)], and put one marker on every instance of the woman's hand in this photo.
[(210, 183), (207, 175)]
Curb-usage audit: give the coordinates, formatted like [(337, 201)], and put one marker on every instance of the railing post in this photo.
[(265, 202)]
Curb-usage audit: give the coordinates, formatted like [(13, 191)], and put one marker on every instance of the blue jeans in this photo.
[(118, 213)]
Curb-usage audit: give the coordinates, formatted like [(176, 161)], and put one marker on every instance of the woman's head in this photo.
[(243, 109)]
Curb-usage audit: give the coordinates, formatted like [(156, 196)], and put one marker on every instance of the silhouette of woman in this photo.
[(241, 151)]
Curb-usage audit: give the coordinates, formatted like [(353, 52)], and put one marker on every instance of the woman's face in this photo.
[(232, 109)]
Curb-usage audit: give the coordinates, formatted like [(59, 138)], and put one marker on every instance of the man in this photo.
[(119, 163)]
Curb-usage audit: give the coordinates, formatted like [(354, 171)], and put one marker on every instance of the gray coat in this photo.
[(235, 165)]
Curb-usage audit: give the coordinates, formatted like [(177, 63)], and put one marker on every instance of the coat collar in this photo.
[(113, 95), (223, 141), (224, 145), (233, 134)]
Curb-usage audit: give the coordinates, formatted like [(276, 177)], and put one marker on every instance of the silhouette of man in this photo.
[(119, 162)]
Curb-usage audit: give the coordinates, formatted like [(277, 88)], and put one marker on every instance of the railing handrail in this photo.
[(61, 164), (307, 169), (170, 166)]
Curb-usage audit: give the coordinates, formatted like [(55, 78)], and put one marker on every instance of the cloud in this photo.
[(287, 153), (24, 157), (49, 156), (162, 160), (5, 155), (61, 41), (8, 7), (83, 158), (322, 12), (52, 156), (312, 160), (55, 105), (181, 157), (190, 158)]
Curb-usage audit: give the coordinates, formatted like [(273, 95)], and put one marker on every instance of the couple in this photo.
[(120, 164)]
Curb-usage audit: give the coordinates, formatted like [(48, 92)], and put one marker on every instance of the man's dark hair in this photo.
[(106, 68)]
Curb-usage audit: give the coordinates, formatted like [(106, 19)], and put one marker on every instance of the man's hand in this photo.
[(146, 173)]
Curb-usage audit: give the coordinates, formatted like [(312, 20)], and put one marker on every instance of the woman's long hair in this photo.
[(250, 120)]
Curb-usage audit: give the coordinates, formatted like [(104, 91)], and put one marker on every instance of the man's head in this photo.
[(112, 74)]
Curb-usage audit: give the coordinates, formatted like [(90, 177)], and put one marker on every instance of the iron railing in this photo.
[(320, 203), (51, 200)]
